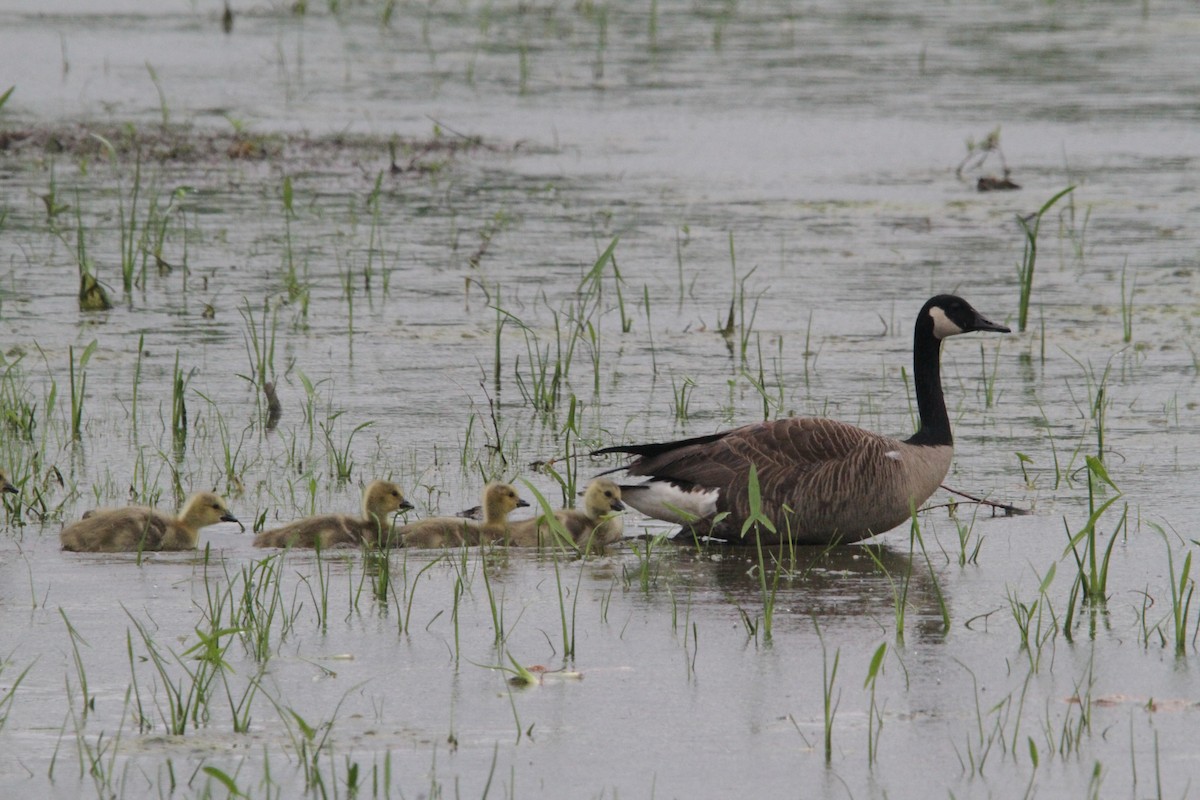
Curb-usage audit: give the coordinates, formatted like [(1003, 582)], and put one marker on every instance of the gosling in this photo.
[(380, 500), (138, 528), (498, 500), (595, 526)]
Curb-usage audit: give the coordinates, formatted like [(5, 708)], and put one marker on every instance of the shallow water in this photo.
[(819, 141)]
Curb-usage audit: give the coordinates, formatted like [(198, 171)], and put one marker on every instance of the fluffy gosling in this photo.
[(135, 528), (594, 526), (380, 500), (498, 500)]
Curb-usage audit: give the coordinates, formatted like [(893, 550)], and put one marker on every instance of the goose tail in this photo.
[(656, 448)]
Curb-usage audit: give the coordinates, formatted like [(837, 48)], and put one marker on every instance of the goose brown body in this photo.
[(594, 526), (498, 500), (138, 528), (820, 481), (381, 499)]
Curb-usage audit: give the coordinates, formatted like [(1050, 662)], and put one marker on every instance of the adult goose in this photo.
[(380, 500), (820, 481), (597, 525), (136, 528), (498, 500)]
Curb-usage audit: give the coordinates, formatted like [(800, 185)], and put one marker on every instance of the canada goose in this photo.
[(118, 530), (380, 500), (595, 525), (5, 484), (498, 500), (820, 481)]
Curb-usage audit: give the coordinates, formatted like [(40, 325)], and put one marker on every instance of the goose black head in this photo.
[(949, 315)]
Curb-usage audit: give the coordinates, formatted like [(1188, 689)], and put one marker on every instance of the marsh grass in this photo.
[(649, 567), (127, 222), (969, 543), (8, 695), (1030, 226), (1127, 307), (739, 326), (19, 407), (681, 398), (260, 343), (87, 701), (164, 110), (1036, 621), (830, 700), (188, 693), (874, 711), (77, 373), (755, 522), (561, 540), (309, 742), (259, 605), (340, 457), (1091, 578), (898, 587), (235, 460), (320, 594), (916, 539), (179, 420), (1183, 589), (408, 593)]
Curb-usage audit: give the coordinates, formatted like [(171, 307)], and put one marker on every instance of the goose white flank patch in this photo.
[(820, 481), (670, 501)]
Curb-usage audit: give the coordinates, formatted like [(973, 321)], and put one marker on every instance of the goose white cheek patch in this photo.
[(943, 326)]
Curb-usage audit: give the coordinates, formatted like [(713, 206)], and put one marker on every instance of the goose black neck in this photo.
[(935, 424)]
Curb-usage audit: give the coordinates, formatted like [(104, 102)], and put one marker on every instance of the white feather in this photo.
[(670, 502), (893, 454)]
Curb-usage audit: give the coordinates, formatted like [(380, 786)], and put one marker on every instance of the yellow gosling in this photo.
[(134, 528), (380, 500), (498, 500), (597, 525)]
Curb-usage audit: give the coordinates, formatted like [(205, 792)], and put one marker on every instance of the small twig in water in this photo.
[(495, 425), (1009, 510)]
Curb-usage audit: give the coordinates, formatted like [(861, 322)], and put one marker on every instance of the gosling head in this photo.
[(383, 498), (949, 315), (498, 500), (602, 497), (206, 508)]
